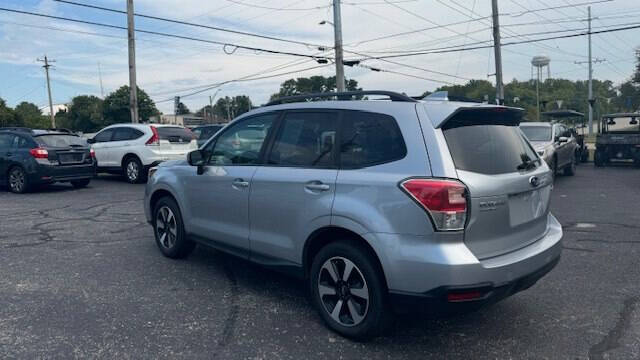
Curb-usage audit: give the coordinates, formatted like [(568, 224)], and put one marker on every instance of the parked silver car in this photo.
[(378, 205), (555, 143)]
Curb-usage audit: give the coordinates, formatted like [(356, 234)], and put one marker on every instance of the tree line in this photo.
[(89, 113)]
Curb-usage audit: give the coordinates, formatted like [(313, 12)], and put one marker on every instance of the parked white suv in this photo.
[(131, 149)]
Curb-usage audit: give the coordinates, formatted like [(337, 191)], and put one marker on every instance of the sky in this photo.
[(168, 66)]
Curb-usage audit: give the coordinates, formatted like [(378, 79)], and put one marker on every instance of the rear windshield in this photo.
[(175, 134), (537, 133), (53, 140), (489, 149)]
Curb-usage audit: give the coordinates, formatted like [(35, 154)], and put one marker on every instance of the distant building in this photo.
[(186, 120), (56, 107)]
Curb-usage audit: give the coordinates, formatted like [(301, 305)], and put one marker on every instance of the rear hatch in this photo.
[(509, 185), (65, 149), (176, 140)]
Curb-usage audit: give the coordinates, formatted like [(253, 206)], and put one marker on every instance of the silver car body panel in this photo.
[(275, 215)]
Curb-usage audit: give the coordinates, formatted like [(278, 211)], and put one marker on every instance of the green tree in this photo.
[(85, 114), (30, 116), (7, 115), (182, 109), (314, 84), (116, 106), (230, 107)]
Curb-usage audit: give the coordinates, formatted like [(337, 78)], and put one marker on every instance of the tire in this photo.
[(17, 180), (570, 169), (78, 184), (598, 159), (359, 318), (133, 170), (168, 229)]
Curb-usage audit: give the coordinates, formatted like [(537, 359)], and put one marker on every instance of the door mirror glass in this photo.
[(91, 141), (563, 139), (196, 158)]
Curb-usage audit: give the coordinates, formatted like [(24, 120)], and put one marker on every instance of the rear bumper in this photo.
[(436, 301), (45, 174), (420, 269)]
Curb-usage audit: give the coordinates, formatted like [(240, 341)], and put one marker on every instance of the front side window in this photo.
[(306, 139), (241, 143), (368, 139), (104, 136)]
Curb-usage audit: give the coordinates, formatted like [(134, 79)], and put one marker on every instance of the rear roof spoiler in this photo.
[(446, 111)]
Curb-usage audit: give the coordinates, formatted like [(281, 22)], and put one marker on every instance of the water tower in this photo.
[(540, 62)]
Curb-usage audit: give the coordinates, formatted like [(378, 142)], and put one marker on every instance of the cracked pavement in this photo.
[(82, 278)]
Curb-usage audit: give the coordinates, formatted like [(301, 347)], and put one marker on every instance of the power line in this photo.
[(181, 22), (427, 52), (276, 8), (233, 47)]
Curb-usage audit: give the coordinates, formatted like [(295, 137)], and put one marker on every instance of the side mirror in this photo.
[(91, 141), (196, 158), (563, 139)]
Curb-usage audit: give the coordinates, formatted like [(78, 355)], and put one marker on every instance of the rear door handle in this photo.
[(240, 183), (317, 186)]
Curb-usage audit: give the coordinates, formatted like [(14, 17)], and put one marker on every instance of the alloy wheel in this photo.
[(16, 180), (343, 291), (166, 227), (133, 170)]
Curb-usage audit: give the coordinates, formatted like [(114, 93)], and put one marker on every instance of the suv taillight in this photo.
[(92, 153), (444, 200), (39, 153), (155, 138)]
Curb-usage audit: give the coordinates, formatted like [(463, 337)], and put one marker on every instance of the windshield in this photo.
[(536, 133), (59, 140)]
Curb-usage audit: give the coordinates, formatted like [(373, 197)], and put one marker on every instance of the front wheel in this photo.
[(169, 230), (348, 290), (570, 169)]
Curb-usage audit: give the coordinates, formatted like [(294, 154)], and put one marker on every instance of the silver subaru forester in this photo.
[(380, 206)]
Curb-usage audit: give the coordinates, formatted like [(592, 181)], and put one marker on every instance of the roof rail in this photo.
[(16, 128), (346, 95)]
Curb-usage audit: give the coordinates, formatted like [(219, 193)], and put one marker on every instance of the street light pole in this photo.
[(337, 30)]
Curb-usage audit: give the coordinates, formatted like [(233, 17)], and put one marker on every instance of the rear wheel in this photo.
[(80, 183), (133, 170), (570, 169), (348, 290), (169, 230), (17, 180)]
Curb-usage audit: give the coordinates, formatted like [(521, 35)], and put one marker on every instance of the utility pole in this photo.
[(337, 31), (210, 109), (100, 76), (133, 88), (228, 111), (498, 53), (46, 67), (590, 77)]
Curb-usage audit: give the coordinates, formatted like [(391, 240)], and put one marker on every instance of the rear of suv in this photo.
[(379, 205), (132, 149), (36, 157)]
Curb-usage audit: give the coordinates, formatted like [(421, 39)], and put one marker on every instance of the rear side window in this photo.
[(126, 133), (60, 140), (6, 141), (175, 134), (369, 139), (21, 143), (487, 148), (306, 139)]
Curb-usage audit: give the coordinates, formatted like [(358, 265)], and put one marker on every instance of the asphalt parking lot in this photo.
[(81, 277)]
